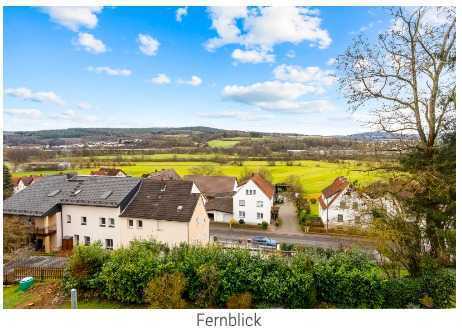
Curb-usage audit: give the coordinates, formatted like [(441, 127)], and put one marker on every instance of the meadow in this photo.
[(315, 175)]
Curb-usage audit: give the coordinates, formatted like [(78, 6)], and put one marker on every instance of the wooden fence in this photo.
[(39, 273)]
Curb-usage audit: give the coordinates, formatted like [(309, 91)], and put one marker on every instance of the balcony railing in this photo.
[(44, 230)]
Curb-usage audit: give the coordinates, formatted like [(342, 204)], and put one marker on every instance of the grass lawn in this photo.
[(41, 295), (315, 175)]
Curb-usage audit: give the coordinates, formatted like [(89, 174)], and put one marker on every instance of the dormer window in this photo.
[(179, 208)]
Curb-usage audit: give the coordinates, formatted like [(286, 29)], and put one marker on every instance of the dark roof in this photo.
[(213, 185), (43, 196), (163, 200), (36, 200), (107, 171), (264, 185), (107, 191), (164, 175), (223, 204)]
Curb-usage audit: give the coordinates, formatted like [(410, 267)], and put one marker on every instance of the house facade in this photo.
[(341, 205), (23, 182), (171, 212), (88, 209), (253, 201), (103, 171)]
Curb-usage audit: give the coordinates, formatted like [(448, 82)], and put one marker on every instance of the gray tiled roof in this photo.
[(223, 204), (94, 190), (36, 200)]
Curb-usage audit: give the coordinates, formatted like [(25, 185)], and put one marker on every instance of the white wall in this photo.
[(250, 207), (92, 228), (331, 214), (219, 216)]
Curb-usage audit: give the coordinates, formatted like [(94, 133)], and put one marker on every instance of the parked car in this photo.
[(263, 241)]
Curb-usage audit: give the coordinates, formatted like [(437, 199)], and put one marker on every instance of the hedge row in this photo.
[(213, 277)]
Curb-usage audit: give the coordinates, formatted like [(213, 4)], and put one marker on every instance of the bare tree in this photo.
[(406, 78)]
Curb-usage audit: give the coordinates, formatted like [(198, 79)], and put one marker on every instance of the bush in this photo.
[(126, 274), (440, 285), (401, 292), (241, 222), (165, 291), (264, 225), (313, 200), (240, 301), (84, 266)]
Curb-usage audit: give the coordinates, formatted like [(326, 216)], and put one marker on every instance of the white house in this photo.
[(341, 205), (253, 201), (23, 182)]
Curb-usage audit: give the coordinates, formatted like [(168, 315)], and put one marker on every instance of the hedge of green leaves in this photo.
[(311, 278)]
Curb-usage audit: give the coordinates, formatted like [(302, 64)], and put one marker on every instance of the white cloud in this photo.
[(331, 62), (160, 79), (147, 44), (291, 54), (110, 71), (262, 28), (194, 81), (307, 74), (238, 115), (90, 43), (24, 113), (83, 105), (74, 17), (252, 56), (180, 13), (273, 95), (39, 96)]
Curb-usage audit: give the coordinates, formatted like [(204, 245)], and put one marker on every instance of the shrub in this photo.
[(126, 274), (401, 292), (209, 279), (440, 285), (84, 266), (242, 222), (165, 291), (264, 225), (313, 200), (240, 301)]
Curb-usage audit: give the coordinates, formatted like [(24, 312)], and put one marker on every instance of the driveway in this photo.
[(288, 215)]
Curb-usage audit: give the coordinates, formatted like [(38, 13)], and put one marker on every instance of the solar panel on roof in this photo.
[(106, 194)]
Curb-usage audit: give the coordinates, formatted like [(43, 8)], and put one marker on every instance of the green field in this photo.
[(315, 175), (220, 143)]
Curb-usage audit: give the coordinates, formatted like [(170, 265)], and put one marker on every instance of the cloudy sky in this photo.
[(264, 69)]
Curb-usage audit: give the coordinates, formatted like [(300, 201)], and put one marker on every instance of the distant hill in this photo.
[(378, 136)]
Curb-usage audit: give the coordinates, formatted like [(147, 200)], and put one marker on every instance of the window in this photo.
[(111, 222), (68, 218), (342, 205), (140, 223), (76, 239), (254, 192), (340, 218), (130, 223), (241, 202), (259, 203), (241, 214), (102, 222), (259, 215), (109, 244), (86, 239), (355, 205), (83, 221), (250, 192)]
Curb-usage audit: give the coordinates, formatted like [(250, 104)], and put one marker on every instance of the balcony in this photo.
[(44, 230)]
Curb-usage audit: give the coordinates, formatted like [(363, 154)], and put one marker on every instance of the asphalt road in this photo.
[(311, 240)]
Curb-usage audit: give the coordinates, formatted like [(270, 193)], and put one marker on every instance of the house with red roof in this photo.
[(341, 205), (253, 200), (23, 182)]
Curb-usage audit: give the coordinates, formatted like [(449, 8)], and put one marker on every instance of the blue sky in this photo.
[(264, 69)]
